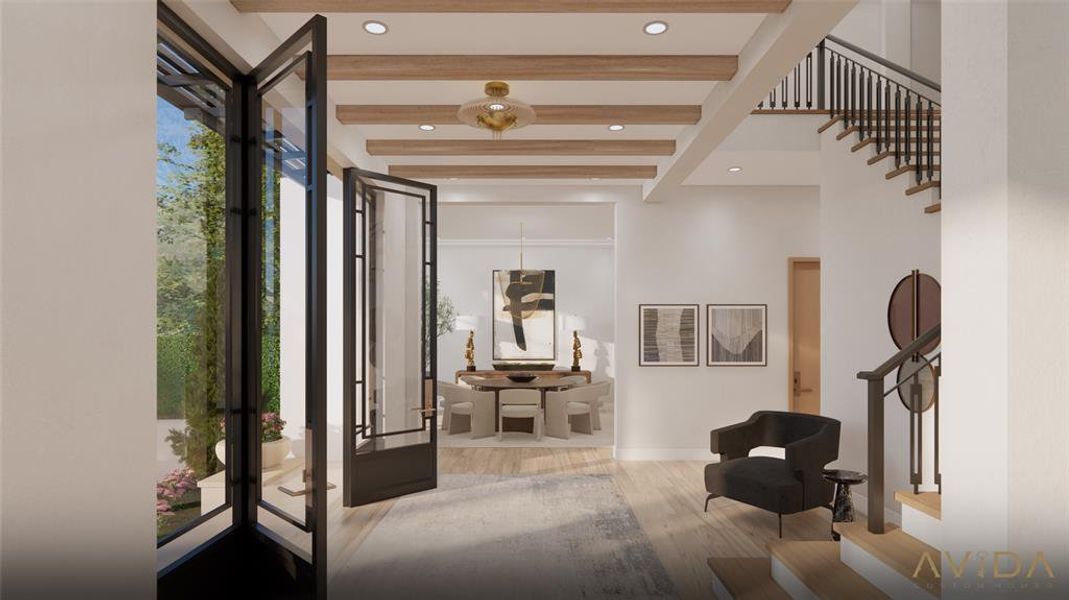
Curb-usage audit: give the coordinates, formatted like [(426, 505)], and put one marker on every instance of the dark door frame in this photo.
[(245, 555), (372, 470)]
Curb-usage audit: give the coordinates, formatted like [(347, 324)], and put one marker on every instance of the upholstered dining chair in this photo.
[(569, 410), (600, 393), (572, 380), (520, 404), (784, 486), (464, 409)]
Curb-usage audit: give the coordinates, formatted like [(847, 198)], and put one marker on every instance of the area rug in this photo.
[(500, 536)]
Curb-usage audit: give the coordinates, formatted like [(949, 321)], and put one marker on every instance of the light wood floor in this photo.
[(666, 497)]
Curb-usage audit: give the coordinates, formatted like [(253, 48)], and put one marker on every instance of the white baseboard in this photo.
[(702, 454)]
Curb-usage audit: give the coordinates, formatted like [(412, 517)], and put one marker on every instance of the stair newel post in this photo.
[(875, 452)]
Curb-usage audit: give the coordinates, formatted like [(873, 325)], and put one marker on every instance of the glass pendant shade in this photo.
[(496, 111)]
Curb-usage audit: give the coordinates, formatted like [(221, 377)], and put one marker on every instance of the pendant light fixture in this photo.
[(496, 111)]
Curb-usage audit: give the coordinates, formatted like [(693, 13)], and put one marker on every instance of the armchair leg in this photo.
[(708, 498)]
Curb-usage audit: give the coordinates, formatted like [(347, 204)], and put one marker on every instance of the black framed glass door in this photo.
[(389, 340), (273, 424), (287, 445)]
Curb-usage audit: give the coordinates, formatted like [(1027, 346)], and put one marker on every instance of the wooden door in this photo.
[(804, 331)]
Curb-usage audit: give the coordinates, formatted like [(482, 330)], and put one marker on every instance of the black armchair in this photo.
[(783, 486)]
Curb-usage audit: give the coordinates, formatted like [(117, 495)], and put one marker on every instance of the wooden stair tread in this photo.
[(846, 132), (929, 503), (934, 208), (862, 144), (828, 125), (880, 156), (898, 550), (747, 578), (910, 169), (817, 565), (921, 187)]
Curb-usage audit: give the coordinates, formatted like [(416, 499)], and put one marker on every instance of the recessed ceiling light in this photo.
[(496, 106), (595, 179), (655, 27), (616, 127), (734, 169), (375, 27), (426, 127), (453, 178)]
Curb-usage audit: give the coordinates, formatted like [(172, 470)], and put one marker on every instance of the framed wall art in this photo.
[(525, 319), (668, 335), (737, 335)]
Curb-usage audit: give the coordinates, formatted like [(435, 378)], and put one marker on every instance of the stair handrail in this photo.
[(875, 400), (921, 79)]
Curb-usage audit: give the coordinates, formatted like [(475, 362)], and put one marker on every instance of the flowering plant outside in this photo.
[(271, 426), (172, 488)]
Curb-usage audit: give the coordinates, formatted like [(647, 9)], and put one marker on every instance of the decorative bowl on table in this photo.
[(521, 377)]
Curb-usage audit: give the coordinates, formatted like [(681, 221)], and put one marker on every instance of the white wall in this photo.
[(77, 299), (903, 31), (871, 235), (574, 240), (704, 245), (1006, 264)]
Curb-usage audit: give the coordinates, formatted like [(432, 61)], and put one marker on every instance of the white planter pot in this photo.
[(271, 453)]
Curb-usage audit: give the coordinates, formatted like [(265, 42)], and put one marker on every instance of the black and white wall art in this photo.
[(737, 335), (524, 323), (668, 335)]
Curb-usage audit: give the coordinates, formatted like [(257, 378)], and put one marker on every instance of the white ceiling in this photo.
[(527, 33)]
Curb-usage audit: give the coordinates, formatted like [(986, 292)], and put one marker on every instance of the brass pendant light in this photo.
[(496, 111)]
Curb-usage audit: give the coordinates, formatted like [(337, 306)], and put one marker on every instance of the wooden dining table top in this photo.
[(539, 383)]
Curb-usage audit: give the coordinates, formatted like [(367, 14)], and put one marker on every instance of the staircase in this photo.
[(884, 111), (861, 565), (873, 559)]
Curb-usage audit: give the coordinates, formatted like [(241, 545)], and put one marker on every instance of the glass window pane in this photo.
[(283, 293), (191, 286)]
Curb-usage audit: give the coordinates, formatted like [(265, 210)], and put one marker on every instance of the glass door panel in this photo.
[(390, 348)]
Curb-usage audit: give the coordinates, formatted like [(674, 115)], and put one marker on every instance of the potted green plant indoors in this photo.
[(274, 447)]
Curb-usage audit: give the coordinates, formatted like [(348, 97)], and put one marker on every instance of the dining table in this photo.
[(495, 385)]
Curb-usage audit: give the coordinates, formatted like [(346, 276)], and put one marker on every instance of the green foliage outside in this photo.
[(191, 297)]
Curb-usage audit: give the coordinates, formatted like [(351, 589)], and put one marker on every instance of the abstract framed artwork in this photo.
[(737, 335), (668, 335), (524, 309)]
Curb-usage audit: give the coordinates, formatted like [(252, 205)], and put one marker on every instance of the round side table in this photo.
[(842, 510)]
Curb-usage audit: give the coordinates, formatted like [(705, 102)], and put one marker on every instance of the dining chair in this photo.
[(520, 404), (600, 393), (468, 380), (464, 409), (569, 410), (572, 380)]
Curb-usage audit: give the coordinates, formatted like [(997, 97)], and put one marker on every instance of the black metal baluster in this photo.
[(931, 143), (797, 86), (853, 93), (783, 93), (920, 153), (886, 115), (898, 126), (909, 130), (880, 134), (809, 81), (821, 70)]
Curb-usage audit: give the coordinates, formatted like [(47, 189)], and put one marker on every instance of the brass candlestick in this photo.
[(469, 350), (577, 351)]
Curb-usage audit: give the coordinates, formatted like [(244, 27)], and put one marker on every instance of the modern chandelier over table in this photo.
[(496, 111)]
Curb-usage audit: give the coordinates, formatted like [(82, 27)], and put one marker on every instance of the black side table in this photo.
[(842, 510)]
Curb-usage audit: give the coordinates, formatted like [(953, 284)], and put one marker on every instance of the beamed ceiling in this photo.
[(583, 65)]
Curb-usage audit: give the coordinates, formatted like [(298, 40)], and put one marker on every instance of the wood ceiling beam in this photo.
[(582, 114), (524, 171), (521, 147), (514, 6), (549, 67)]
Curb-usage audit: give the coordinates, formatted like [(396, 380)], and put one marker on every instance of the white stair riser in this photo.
[(889, 581), (790, 583), (922, 526), (719, 590)]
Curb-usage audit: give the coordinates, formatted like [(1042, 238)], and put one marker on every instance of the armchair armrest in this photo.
[(814, 452), (736, 441)]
